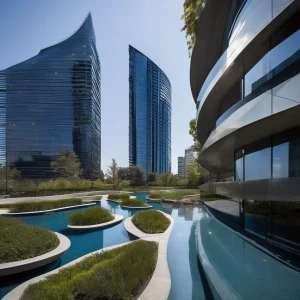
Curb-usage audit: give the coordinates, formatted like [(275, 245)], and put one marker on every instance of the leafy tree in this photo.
[(152, 177), (134, 174), (192, 9), (173, 179), (112, 172), (12, 176), (124, 183), (164, 178), (193, 174), (193, 132), (67, 164)]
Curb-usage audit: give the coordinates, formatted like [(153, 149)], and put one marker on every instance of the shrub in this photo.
[(91, 216), (41, 205), (133, 203), (116, 274), (20, 241), (119, 196), (151, 221)]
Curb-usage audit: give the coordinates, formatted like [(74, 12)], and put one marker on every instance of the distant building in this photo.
[(149, 115), (52, 100), (189, 158), (181, 167)]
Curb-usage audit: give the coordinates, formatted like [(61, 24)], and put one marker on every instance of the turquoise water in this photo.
[(238, 269), (182, 256)]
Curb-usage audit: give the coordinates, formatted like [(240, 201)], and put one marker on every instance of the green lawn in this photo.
[(116, 274), (41, 205), (172, 195), (151, 221), (91, 216), (118, 196), (133, 203), (20, 241), (94, 198)]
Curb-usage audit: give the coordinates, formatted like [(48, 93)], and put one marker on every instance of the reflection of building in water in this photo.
[(181, 211), (188, 212)]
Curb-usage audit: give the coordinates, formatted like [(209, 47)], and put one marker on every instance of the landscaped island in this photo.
[(121, 273), (172, 195), (91, 216), (98, 198), (118, 197), (19, 241), (151, 221), (133, 203), (34, 206)]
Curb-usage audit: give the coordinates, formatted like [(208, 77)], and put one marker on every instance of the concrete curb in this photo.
[(132, 207), (43, 212), (117, 219), (160, 284), (38, 261)]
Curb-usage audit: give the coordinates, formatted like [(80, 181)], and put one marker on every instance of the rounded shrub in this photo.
[(91, 216), (133, 203), (151, 221), (118, 196)]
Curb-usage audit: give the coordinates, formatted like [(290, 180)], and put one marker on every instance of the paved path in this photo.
[(225, 206), (56, 197)]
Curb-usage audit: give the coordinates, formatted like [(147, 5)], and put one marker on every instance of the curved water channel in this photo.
[(188, 280)]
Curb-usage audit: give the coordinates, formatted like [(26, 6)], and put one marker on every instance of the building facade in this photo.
[(181, 167), (149, 115), (246, 85), (52, 100)]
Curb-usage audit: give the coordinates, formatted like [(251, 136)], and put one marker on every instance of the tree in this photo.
[(67, 164), (112, 172), (152, 177), (134, 174), (101, 175), (192, 9), (193, 132), (193, 174), (164, 178), (12, 176)]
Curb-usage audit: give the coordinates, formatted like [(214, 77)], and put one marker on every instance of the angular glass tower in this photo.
[(149, 115), (50, 101)]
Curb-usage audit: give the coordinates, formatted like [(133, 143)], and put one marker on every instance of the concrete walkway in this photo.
[(56, 197), (225, 206)]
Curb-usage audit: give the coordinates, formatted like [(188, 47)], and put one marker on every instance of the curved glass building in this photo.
[(149, 115), (52, 100), (246, 85)]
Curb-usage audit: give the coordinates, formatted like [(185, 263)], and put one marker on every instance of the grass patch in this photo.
[(119, 196), (114, 274), (91, 216), (94, 198), (151, 221), (168, 195), (133, 203), (20, 241), (41, 205)]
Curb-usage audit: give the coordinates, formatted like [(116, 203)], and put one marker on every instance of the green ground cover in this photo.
[(91, 216), (41, 205), (94, 198), (117, 274), (118, 196), (151, 221), (133, 203), (20, 241), (170, 195)]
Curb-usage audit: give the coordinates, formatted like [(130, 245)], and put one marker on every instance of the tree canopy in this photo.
[(133, 174), (192, 9), (67, 164), (112, 173)]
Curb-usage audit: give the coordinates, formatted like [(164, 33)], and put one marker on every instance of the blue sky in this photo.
[(151, 26)]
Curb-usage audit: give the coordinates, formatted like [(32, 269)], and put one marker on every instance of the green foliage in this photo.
[(20, 241), (192, 9), (133, 203), (118, 196), (116, 274), (151, 221), (165, 179), (41, 205), (94, 198), (112, 173), (172, 195), (124, 184), (67, 164), (152, 177), (134, 174), (91, 216), (193, 174), (183, 182), (12, 176), (193, 132)]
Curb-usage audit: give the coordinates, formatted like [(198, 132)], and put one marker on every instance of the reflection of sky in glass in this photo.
[(281, 161), (258, 165)]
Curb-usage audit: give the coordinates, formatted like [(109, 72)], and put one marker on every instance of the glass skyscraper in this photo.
[(52, 100), (149, 115)]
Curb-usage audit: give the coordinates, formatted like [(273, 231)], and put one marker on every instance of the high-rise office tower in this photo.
[(149, 115)]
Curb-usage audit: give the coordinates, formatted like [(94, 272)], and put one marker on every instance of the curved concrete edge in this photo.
[(117, 219), (153, 200), (38, 261), (17, 292), (133, 207), (160, 284), (42, 212), (132, 197), (114, 201)]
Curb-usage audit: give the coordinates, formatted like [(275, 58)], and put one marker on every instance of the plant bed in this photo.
[(151, 221), (91, 216), (118, 197), (96, 198), (19, 241), (120, 273), (134, 203), (43, 206)]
